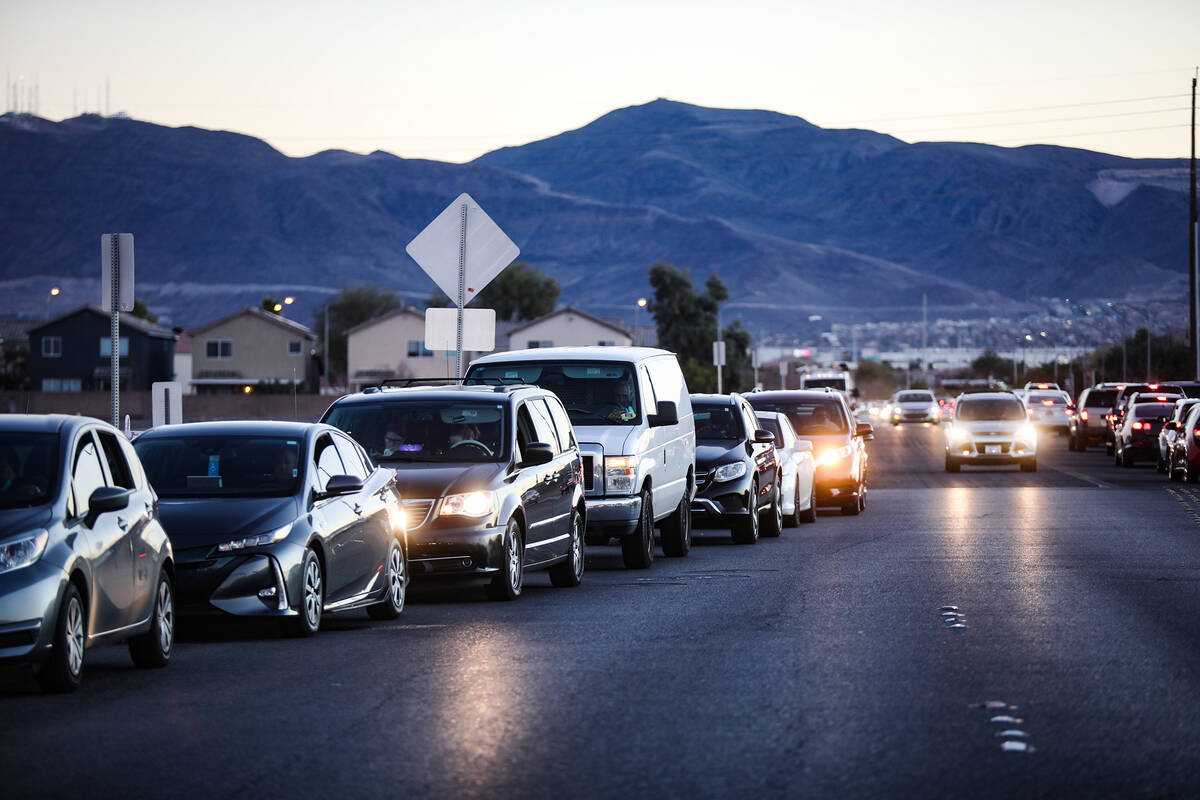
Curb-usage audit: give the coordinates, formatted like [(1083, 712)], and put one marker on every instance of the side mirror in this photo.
[(764, 437), (537, 453), (105, 499), (342, 484), (803, 446), (865, 430), (667, 414)]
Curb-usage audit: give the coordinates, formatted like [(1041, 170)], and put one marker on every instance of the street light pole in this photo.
[(641, 303)]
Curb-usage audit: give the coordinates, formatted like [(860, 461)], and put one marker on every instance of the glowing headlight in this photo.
[(728, 472), (23, 551), (471, 504), (620, 472), (262, 540), (831, 456), (958, 435), (1027, 433), (934, 410)]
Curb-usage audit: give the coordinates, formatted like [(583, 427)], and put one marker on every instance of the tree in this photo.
[(140, 309), (271, 304), (352, 305), (877, 379), (687, 326), (520, 292), (989, 365)]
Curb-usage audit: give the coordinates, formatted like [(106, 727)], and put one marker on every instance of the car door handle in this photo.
[(149, 509), (122, 524), (358, 509)]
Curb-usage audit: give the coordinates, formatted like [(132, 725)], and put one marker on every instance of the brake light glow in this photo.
[(1043, 386), (1161, 398), (1152, 386), (1083, 415), (1141, 426), (1047, 402)]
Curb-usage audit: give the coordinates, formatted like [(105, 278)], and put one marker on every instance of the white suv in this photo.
[(915, 405), (990, 428)]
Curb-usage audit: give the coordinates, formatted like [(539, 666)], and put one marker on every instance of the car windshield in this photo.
[(990, 409), (1152, 410), (1102, 399), (425, 429), (915, 397), (594, 392), (816, 417), (821, 383), (213, 465), (717, 422), (28, 469)]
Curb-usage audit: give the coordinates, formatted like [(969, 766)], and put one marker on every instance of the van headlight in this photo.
[(24, 551), (729, 472), (469, 504), (958, 436), (620, 473)]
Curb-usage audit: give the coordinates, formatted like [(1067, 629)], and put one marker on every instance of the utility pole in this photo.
[(1193, 246), (924, 338)]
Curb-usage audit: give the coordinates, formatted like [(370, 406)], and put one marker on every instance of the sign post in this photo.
[(116, 295), (462, 250), (719, 361)]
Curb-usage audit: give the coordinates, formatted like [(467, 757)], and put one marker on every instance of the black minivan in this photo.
[(491, 479)]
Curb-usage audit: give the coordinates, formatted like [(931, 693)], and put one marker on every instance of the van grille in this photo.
[(416, 512)]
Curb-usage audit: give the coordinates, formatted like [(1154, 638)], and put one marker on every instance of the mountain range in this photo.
[(793, 217)]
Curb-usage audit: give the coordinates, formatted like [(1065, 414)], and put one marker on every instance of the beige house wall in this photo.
[(260, 350), (383, 347), (567, 330)]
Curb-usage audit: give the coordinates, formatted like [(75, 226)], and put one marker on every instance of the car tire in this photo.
[(1029, 465), (507, 584), (793, 519), (1173, 474), (63, 670), (677, 528), (745, 531), (774, 526), (1127, 460), (1109, 448), (312, 598), (1071, 444), (1190, 475), (857, 505), (810, 513), (637, 549), (152, 649), (397, 586), (568, 574), (952, 464), (1161, 466)]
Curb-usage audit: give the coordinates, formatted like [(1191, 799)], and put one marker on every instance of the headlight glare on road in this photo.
[(620, 472), (832, 456), (729, 472), (469, 504), (262, 540), (23, 551)]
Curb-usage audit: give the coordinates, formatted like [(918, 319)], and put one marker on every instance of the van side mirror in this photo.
[(668, 414), (537, 453)]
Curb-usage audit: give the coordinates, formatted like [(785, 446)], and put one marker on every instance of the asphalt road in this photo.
[(814, 665)]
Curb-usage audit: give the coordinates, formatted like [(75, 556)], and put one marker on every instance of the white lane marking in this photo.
[(1099, 484)]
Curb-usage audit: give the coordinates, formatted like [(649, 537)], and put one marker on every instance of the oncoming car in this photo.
[(915, 405), (991, 428)]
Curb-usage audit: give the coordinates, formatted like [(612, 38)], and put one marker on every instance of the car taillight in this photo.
[(1137, 426), (1047, 402), (1083, 415)]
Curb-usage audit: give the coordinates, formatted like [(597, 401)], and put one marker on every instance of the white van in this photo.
[(633, 419)]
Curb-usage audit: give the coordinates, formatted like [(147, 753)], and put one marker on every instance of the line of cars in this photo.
[(534, 455)]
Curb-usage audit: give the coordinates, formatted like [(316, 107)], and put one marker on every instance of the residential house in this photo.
[(568, 327), (252, 350), (73, 353)]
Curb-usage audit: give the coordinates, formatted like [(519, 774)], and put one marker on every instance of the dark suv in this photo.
[(737, 472), (839, 442), (491, 477)]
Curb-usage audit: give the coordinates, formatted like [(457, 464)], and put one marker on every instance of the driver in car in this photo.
[(622, 410)]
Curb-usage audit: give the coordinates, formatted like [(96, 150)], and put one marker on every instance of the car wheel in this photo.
[(1029, 465), (774, 525), (1161, 466), (810, 513), (312, 597), (745, 531), (1127, 459), (508, 582), (1190, 475), (569, 573), (677, 529), (153, 648), (397, 586), (1173, 474), (793, 519), (952, 464), (1071, 444), (63, 670), (637, 549), (1109, 448)]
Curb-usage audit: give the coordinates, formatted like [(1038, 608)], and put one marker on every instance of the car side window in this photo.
[(117, 467), (651, 396), (748, 419), (543, 426), (327, 461), (525, 432), (566, 433), (350, 459), (86, 473)]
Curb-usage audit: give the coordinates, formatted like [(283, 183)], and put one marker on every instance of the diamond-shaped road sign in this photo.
[(488, 249)]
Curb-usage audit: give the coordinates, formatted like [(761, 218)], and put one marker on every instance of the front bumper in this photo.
[(29, 600), (612, 516), (720, 504), (263, 583), (447, 554)]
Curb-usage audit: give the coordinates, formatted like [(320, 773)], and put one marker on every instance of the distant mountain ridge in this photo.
[(789, 214)]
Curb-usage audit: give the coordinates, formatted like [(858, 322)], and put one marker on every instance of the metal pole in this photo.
[(718, 339), (1147, 347), (1194, 247), (115, 356), (328, 383), (462, 290)]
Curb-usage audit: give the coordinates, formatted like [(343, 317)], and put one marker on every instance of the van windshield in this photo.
[(594, 392)]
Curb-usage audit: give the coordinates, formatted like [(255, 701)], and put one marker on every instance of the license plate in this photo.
[(992, 450)]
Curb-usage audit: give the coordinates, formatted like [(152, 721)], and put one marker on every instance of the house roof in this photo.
[(15, 329), (570, 310), (127, 321), (395, 312), (262, 314)]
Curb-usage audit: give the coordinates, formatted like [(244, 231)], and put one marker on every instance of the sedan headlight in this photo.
[(23, 551), (934, 410), (729, 472), (262, 540), (620, 473), (833, 456), (470, 504)]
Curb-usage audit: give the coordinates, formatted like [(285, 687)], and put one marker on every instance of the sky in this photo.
[(453, 79)]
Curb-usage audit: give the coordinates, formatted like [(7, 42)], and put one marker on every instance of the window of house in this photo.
[(540, 343), (106, 347), (606, 343), (294, 347), (218, 348), (62, 384), (417, 349), (52, 347)]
